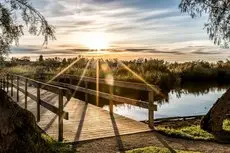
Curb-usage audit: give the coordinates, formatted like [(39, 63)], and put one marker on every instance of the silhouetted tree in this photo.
[(2, 61), (218, 24), (64, 61), (40, 58), (11, 30), (25, 59)]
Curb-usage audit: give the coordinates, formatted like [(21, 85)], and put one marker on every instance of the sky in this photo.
[(132, 28)]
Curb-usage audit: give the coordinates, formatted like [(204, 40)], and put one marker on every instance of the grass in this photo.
[(56, 147), (156, 150), (193, 132)]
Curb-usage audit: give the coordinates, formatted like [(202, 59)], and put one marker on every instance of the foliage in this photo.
[(57, 147), (165, 75), (218, 12), (156, 150), (190, 131), (11, 30)]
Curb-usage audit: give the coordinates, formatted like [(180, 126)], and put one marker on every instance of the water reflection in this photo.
[(189, 99)]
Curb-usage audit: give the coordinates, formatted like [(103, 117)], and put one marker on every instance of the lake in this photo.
[(192, 100)]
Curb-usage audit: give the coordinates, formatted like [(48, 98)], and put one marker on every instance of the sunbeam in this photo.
[(82, 76), (110, 81), (65, 69), (153, 87)]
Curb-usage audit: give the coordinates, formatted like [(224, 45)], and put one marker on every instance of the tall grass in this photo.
[(165, 75)]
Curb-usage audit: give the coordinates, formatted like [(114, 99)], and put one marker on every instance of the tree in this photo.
[(218, 29), (40, 58), (218, 24), (2, 61), (25, 59), (13, 12)]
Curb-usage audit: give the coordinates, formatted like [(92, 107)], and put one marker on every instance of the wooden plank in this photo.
[(107, 96)]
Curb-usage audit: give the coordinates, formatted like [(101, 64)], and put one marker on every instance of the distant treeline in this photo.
[(159, 72)]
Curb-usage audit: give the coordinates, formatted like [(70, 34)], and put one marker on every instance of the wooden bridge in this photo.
[(66, 118)]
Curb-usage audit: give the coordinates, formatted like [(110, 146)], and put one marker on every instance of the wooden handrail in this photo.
[(52, 86), (40, 85), (46, 86), (107, 96)]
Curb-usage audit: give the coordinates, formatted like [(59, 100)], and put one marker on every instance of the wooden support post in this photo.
[(12, 86), (86, 95), (17, 88), (26, 82), (7, 83), (0, 83), (3, 83), (97, 83), (38, 102), (70, 80), (111, 99), (60, 115), (151, 109)]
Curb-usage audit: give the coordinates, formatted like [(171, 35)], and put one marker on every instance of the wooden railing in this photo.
[(149, 104), (8, 82), (59, 88)]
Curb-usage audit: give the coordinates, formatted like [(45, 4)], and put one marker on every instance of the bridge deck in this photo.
[(86, 121)]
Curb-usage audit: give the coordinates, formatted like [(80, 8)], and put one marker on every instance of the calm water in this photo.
[(185, 102)]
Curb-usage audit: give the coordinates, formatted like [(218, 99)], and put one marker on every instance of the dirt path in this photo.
[(123, 143)]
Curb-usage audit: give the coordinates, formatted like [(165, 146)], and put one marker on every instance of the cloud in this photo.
[(156, 26)]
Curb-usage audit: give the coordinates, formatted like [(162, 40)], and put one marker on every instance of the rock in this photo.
[(213, 121), (19, 132)]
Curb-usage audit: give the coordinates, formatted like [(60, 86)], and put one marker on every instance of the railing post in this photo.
[(86, 94), (151, 109), (4, 83), (26, 82), (60, 115), (38, 102), (111, 99), (0, 83), (70, 80), (17, 88), (12, 86), (7, 83)]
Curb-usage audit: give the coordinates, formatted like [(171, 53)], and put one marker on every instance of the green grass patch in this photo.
[(57, 147), (226, 125), (190, 131), (156, 150)]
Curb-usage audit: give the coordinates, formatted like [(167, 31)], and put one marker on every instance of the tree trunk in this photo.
[(213, 120)]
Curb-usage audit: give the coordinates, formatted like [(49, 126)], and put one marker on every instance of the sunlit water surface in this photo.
[(186, 104)]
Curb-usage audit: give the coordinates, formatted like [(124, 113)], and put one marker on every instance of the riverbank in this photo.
[(189, 129), (148, 139)]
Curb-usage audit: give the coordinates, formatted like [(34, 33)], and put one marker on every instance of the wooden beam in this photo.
[(107, 96)]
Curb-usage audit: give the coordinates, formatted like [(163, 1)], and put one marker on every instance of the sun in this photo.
[(95, 40)]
